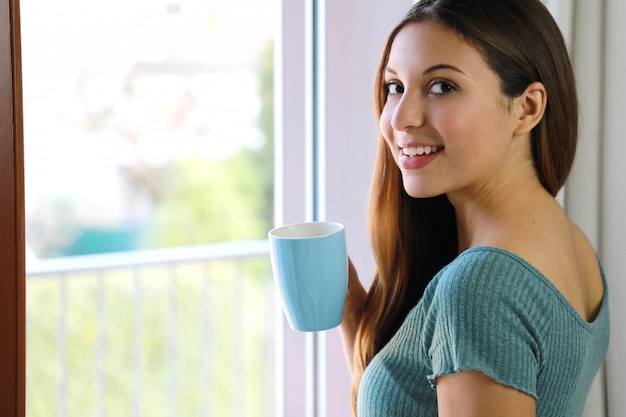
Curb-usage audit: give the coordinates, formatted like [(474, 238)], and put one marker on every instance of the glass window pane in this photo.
[(148, 124), (149, 189)]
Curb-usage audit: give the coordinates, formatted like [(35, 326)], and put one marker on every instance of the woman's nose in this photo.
[(408, 113)]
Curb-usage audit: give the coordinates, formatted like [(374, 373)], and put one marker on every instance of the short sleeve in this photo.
[(486, 315)]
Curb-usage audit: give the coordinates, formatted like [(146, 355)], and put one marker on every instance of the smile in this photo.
[(421, 150)]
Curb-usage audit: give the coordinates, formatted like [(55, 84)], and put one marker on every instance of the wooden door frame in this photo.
[(12, 239)]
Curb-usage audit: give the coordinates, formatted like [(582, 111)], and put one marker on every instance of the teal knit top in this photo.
[(489, 310)]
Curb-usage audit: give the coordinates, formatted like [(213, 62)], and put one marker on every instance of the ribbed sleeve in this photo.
[(487, 317)]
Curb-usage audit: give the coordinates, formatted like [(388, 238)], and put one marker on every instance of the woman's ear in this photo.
[(531, 106)]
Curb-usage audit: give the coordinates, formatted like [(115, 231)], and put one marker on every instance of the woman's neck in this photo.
[(493, 217)]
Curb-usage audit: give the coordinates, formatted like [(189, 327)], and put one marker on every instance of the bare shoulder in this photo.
[(566, 257), (559, 249), (593, 285), (583, 246)]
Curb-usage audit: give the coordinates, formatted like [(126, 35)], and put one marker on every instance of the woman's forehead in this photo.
[(420, 46)]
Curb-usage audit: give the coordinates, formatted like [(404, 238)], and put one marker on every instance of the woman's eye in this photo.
[(393, 88), (441, 87)]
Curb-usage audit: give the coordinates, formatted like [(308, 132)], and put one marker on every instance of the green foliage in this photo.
[(209, 200), (191, 340)]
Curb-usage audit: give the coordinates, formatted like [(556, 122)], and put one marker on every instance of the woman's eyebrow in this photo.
[(442, 66), (391, 70), (431, 69)]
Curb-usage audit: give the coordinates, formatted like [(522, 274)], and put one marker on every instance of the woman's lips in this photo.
[(416, 157)]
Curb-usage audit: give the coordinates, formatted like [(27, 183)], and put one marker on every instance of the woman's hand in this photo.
[(353, 308), (355, 296)]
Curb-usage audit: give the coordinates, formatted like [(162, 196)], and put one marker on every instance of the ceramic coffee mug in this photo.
[(310, 265)]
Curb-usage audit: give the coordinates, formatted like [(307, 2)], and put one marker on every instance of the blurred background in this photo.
[(149, 187)]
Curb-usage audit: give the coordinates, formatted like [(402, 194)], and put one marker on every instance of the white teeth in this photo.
[(420, 150)]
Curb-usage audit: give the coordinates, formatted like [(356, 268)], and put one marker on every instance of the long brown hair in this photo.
[(412, 239)]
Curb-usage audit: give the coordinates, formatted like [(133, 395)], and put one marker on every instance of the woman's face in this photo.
[(445, 119)]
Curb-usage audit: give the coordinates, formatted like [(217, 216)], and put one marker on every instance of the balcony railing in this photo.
[(168, 332)]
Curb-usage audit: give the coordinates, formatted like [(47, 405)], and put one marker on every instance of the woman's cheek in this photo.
[(384, 125)]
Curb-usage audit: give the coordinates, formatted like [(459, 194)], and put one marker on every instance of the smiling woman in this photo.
[(441, 93), (477, 263)]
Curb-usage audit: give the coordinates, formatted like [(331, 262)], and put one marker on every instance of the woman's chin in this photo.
[(415, 191)]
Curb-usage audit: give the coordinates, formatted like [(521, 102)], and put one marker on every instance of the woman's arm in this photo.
[(474, 394), (355, 301)]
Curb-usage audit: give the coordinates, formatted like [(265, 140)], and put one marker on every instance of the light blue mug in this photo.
[(310, 265)]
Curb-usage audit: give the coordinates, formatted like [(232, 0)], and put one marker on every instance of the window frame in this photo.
[(349, 39), (12, 255)]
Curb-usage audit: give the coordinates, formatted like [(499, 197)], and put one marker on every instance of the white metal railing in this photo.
[(223, 320), (218, 251)]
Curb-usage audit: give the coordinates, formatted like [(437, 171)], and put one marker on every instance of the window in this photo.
[(149, 145), (345, 136)]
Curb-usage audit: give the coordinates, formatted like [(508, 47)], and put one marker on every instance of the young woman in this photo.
[(487, 300)]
